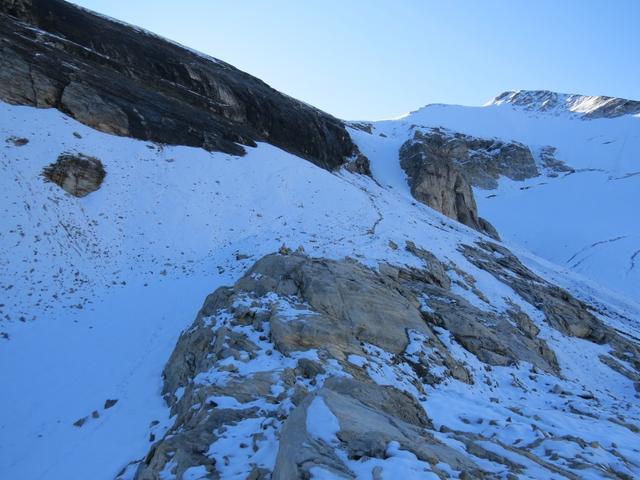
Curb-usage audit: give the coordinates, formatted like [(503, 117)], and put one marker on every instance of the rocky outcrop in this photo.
[(442, 167), (551, 165), (562, 311), (125, 81), (313, 366), (259, 351), (76, 174), (586, 106), (370, 420), (482, 161), (436, 181), (496, 339)]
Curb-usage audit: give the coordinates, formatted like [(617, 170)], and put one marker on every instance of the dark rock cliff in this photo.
[(126, 81)]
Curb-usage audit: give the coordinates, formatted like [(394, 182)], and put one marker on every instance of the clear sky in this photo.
[(374, 59)]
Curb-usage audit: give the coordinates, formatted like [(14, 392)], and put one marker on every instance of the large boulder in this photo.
[(76, 173)]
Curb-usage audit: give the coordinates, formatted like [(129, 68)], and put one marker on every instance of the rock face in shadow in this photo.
[(76, 174), (126, 81), (436, 181)]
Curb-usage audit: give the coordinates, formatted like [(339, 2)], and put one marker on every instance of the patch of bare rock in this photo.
[(309, 367)]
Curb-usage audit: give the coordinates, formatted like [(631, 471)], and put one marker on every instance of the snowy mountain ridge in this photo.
[(586, 106), (570, 195)]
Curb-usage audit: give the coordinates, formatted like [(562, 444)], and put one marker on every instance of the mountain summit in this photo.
[(588, 106)]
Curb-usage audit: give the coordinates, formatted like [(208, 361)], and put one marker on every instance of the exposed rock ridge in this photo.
[(436, 181), (123, 80), (587, 106), (562, 311), (310, 367)]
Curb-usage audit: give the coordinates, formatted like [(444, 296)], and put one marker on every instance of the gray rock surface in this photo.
[(482, 161), (369, 345), (370, 417), (284, 306), (496, 339), (76, 173), (562, 311), (436, 181), (123, 80)]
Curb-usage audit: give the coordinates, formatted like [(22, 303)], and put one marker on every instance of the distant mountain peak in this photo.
[(590, 106)]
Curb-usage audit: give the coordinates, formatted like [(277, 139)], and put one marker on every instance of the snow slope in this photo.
[(588, 220), (96, 290)]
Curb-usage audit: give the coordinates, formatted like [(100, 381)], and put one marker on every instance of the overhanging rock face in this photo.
[(126, 81)]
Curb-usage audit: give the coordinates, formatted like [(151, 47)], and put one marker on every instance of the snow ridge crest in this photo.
[(589, 106)]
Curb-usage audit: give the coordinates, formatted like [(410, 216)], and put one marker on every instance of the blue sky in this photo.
[(372, 59)]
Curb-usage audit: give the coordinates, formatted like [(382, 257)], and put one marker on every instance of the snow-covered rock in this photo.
[(585, 106), (327, 363)]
